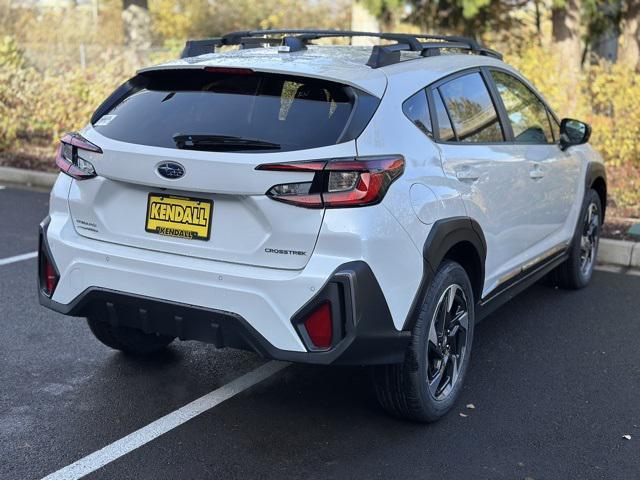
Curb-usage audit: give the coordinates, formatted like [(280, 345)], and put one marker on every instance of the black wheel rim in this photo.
[(446, 347), (589, 239)]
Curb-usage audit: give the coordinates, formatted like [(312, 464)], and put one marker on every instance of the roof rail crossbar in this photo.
[(304, 35), (295, 44), (381, 55), (193, 48), (254, 42)]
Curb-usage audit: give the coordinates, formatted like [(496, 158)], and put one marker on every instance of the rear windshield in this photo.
[(246, 111)]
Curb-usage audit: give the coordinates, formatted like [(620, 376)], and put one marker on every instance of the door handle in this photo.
[(536, 172), (467, 173)]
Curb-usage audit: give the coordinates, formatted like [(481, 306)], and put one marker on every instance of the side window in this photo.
[(471, 109), (527, 114), (416, 109)]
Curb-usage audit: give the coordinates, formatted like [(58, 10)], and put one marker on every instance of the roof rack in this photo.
[(381, 55)]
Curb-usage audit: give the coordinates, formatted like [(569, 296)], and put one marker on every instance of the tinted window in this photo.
[(275, 111), (445, 131), (416, 109), (527, 114), (471, 110)]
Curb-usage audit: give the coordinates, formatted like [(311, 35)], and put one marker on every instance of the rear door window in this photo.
[(249, 112), (472, 112)]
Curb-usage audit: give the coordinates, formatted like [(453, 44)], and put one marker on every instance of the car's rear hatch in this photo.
[(177, 173)]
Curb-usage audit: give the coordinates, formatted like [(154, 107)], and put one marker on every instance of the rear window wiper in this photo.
[(221, 142)]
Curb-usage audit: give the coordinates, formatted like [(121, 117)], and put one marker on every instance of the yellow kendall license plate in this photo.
[(179, 216)]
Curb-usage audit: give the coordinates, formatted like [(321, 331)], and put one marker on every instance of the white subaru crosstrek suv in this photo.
[(321, 204)]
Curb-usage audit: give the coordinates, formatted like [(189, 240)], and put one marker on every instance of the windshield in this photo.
[(262, 111)]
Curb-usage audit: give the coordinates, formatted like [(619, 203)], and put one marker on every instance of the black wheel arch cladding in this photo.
[(459, 239), (596, 179)]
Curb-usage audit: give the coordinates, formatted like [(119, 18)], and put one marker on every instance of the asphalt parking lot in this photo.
[(555, 382)]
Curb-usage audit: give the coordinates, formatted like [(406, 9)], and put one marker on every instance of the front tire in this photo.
[(129, 340), (427, 384), (577, 271)]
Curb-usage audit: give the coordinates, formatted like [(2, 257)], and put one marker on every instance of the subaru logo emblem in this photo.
[(171, 170)]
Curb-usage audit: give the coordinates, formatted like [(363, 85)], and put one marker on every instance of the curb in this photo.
[(619, 252), (612, 252), (20, 176)]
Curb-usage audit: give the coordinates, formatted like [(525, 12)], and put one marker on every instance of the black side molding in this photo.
[(445, 235), (505, 292)]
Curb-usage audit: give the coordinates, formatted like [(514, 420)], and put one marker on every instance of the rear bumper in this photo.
[(198, 300)]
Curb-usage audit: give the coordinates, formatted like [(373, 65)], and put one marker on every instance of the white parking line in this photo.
[(134, 440), (18, 258)]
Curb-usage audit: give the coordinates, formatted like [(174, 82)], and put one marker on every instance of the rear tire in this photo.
[(129, 340), (427, 384), (576, 272)]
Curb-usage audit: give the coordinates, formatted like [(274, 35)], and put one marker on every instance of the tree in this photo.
[(136, 22), (472, 18), (386, 11), (602, 18), (565, 29), (630, 38)]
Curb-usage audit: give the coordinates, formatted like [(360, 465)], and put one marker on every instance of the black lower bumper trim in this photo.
[(369, 336)]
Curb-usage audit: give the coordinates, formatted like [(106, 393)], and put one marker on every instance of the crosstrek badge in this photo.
[(182, 217)]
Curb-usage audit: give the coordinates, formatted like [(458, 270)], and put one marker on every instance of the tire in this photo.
[(407, 390), (129, 340), (577, 270)]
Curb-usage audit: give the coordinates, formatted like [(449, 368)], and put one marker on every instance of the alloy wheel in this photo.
[(589, 239), (447, 343)]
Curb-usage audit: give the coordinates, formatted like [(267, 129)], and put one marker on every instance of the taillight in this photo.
[(338, 183), (319, 326), (69, 159)]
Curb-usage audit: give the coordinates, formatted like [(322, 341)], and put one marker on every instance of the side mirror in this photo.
[(573, 132)]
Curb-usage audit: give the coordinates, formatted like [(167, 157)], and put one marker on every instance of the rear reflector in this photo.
[(47, 273), (338, 183), (50, 278), (319, 326)]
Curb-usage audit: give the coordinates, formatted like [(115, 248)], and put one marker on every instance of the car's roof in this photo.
[(344, 64)]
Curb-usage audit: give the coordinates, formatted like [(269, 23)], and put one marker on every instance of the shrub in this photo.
[(44, 104)]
